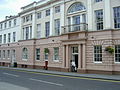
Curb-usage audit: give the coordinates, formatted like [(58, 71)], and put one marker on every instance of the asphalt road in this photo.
[(21, 80)]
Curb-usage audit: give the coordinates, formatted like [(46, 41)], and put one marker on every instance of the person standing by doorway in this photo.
[(73, 66)]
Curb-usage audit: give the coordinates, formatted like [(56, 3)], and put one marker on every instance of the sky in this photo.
[(12, 7)]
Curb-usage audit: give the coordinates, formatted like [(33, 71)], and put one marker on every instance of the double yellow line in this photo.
[(56, 75)]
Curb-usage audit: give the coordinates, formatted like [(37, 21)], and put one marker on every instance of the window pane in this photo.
[(38, 30), (57, 26), (98, 53), (76, 7), (98, 0), (39, 15), (116, 17), (37, 54), (56, 53), (117, 53), (25, 53), (0, 38), (4, 38), (57, 9), (48, 12), (47, 28), (99, 19), (14, 36)]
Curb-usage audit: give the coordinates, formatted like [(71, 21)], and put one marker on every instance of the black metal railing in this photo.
[(74, 28)]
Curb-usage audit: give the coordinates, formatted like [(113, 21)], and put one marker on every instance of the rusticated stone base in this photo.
[(25, 66), (116, 73), (4, 64), (54, 68), (81, 71), (62, 69), (99, 72), (39, 67)]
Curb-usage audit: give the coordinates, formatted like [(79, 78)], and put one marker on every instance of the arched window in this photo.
[(76, 7), (25, 53)]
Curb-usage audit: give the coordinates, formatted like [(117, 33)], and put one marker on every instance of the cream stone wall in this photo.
[(84, 40)]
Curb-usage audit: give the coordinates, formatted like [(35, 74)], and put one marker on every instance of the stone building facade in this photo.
[(55, 33)]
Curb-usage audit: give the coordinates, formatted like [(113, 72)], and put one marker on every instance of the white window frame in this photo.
[(27, 18), (8, 54), (47, 12), (10, 23), (73, 7), (14, 36), (56, 60), (23, 19), (100, 21), (1, 26), (115, 57), (96, 1), (4, 38), (46, 55), (24, 54), (57, 26), (9, 37), (116, 18), (99, 62), (47, 29), (37, 54), (39, 15), (38, 31), (4, 54), (5, 25), (0, 54), (57, 9), (0, 39), (31, 17), (15, 22), (27, 32)]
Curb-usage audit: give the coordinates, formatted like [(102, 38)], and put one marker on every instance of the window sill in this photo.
[(117, 62), (98, 62), (56, 60), (46, 59), (24, 59), (37, 60)]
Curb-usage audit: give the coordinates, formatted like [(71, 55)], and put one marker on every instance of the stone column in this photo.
[(29, 32), (79, 57), (64, 57), (51, 21), (90, 15), (21, 28), (62, 20), (108, 24), (34, 25), (67, 56), (84, 57)]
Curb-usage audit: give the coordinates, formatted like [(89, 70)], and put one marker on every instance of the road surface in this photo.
[(23, 80)]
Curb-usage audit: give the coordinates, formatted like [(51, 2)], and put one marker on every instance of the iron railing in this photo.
[(74, 28)]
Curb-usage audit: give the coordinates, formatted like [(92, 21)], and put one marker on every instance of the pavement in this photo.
[(95, 76)]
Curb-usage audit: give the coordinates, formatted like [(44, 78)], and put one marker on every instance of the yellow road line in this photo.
[(49, 74)]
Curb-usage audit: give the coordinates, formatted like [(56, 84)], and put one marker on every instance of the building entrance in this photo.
[(74, 61)]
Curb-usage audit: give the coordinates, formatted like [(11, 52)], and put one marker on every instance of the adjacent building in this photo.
[(52, 34)]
